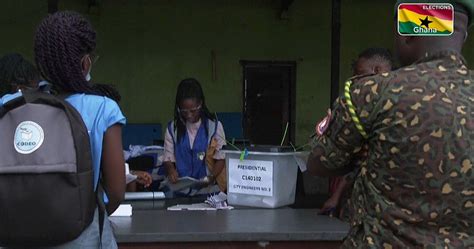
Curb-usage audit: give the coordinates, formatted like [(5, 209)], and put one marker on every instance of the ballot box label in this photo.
[(251, 177)]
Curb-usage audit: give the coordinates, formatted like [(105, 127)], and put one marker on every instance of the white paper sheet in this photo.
[(123, 210)]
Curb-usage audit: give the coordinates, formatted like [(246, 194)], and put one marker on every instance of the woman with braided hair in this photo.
[(64, 43), (193, 142)]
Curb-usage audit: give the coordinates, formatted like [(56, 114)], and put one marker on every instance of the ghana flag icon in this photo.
[(426, 19)]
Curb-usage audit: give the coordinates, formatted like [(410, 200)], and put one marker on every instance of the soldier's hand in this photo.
[(329, 206)]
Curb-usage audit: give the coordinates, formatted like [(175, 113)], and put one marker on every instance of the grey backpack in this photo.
[(47, 193)]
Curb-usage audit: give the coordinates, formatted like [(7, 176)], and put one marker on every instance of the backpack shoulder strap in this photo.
[(12, 104)]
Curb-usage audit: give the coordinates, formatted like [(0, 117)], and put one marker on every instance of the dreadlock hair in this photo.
[(371, 53), (16, 71), (61, 41), (190, 89), (109, 91)]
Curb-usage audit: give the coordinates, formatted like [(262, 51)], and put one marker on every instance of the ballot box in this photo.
[(264, 176)]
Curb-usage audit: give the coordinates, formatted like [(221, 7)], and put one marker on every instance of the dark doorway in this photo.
[(269, 101)]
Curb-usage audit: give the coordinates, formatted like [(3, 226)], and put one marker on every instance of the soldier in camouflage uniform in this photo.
[(416, 188)]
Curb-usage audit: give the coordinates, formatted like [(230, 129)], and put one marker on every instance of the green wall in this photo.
[(147, 46), (151, 45), (18, 20)]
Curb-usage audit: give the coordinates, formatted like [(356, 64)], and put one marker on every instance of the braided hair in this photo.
[(189, 88), (61, 42), (16, 71)]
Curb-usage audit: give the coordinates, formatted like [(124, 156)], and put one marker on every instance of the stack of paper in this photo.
[(123, 210), (184, 183), (213, 202), (218, 201), (129, 177)]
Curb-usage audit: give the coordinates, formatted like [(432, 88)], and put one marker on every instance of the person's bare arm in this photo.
[(218, 167), (171, 171), (169, 158), (113, 167)]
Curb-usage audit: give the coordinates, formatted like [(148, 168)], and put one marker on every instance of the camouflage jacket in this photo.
[(416, 187)]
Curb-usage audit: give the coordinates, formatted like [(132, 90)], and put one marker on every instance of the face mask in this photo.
[(88, 76)]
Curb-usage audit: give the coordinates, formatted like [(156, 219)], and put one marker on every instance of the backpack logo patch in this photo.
[(29, 136)]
